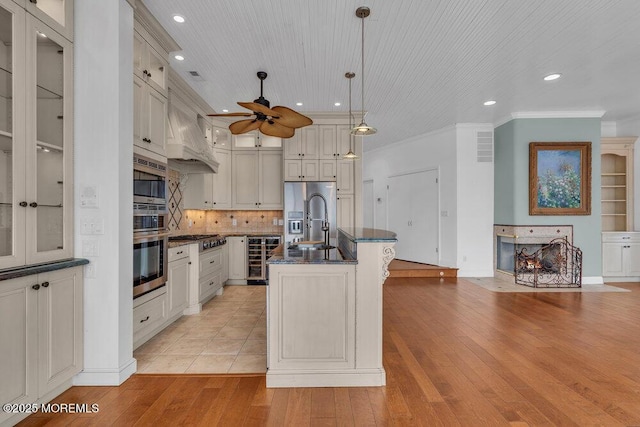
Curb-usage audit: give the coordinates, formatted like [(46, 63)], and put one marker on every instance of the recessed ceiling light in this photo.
[(179, 57), (225, 111), (178, 18), (554, 76), (337, 104), (487, 103), (299, 104)]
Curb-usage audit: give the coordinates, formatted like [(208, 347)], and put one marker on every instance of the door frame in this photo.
[(438, 177)]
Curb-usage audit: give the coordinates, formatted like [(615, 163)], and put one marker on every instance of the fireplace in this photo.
[(512, 239)]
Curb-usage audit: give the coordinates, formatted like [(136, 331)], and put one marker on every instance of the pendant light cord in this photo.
[(362, 63)]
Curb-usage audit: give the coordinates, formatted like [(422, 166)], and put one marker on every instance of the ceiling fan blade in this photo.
[(244, 126), (273, 128), (258, 108), (231, 115), (291, 118)]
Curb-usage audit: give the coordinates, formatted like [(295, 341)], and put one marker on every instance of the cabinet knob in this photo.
[(189, 262), (45, 284), (149, 74), (302, 154), (178, 253), (144, 320), (34, 1), (212, 262), (35, 287), (145, 72), (214, 203), (33, 204), (23, 204)]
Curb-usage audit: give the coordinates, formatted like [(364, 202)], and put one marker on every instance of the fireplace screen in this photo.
[(555, 265)]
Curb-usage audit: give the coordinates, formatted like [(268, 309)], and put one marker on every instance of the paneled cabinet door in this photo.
[(18, 342), (60, 327), (613, 259), (310, 136), (237, 257), (343, 143), (222, 180), (149, 117), (198, 190), (292, 147), (327, 170), (293, 170), (270, 183), (310, 170), (346, 211), (178, 286), (245, 193), (148, 63), (345, 182), (632, 260), (327, 142)]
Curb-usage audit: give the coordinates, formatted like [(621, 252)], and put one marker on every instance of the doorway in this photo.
[(414, 204)]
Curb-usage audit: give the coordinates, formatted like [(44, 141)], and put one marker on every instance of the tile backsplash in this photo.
[(188, 221)]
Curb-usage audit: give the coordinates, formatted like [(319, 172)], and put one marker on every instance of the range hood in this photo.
[(187, 149)]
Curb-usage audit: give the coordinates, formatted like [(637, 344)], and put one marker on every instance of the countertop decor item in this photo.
[(560, 178)]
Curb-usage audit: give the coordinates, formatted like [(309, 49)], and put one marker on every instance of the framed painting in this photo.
[(560, 178)]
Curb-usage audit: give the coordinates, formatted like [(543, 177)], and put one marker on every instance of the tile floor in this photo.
[(228, 336)]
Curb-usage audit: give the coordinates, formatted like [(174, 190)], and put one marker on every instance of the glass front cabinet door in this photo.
[(35, 141)]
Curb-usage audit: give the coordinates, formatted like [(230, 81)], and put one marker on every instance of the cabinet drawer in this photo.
[(210, 284), (148, 315), (628, 236), (210, 262), (178, 252)]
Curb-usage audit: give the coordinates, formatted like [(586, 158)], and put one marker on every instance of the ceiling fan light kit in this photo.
[(363, 128), (278, 121), (350, 154)]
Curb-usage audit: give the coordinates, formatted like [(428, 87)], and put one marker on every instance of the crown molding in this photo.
[(146, 20), (587, 114)]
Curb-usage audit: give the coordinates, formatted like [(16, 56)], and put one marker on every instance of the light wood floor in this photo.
[(455, 354)]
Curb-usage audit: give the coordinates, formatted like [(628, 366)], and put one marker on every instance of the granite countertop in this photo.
[(250, 234), (369, 235), (283, 255), (176, 243), (30, 270)]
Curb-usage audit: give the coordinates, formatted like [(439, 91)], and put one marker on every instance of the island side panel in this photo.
[(371, 272)]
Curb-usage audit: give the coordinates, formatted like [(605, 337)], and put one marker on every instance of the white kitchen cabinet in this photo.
[(621, 255), (303, 145), (257, 180), (343, 140), (218, 137), (345, 176), (345, 211), (210, 267), (149, 315), (327, 142), (57, 14), (149, 117), (150, 61), (256, 140), (36, 131), (179, 274), (237, 257), (210, 190), (41, 336)]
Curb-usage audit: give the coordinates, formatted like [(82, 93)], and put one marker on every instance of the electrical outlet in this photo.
[(90, 270), (280, 221), (275, 221), (234, 222)]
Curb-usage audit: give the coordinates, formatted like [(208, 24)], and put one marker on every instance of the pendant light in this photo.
[(350, 154), (363, 128)]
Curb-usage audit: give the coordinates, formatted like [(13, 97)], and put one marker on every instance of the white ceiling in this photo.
[(428, 63)]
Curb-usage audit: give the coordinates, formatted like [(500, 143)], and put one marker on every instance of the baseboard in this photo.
[(475, 273), (621, 279), (592, 280), (192, 309), (113, 377), (294, 378)]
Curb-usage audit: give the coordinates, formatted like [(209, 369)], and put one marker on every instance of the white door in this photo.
[(367, 204), (413, 215)]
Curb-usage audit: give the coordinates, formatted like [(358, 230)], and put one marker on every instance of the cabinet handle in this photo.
[(212, 262), (35, 287), (23, 204), (34, 1), (189, 263), (45, 284), (334, 176), (33, 204), (626, 237), (178, 253), (210, 284), (302, 154), (145, 319), (149, 74)]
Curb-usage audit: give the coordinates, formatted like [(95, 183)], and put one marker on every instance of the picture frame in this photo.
[(560, 178)]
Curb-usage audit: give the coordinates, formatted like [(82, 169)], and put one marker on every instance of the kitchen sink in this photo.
[(311, 246)]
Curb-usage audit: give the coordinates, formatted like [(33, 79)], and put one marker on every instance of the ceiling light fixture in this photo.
[(363, 128), (350, 154), (492, 102), (554, 76), (299, 104), (179, 57), (178, 18), (337, 104), (225, 111)]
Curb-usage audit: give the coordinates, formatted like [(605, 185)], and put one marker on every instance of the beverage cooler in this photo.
[(258, 250)]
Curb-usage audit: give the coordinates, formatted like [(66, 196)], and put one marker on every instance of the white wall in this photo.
[(433, 150), (475, 205), (631, 127), (103, 161)]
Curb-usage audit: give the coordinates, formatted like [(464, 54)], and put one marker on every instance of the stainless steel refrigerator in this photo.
[(309, 210)]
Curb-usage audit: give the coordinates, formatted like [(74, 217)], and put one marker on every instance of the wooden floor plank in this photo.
[(454, 353)]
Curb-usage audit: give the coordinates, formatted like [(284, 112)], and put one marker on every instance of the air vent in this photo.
[(484, 147), (196, 76)]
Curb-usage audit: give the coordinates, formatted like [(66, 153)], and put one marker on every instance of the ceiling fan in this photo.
[(278, 121)]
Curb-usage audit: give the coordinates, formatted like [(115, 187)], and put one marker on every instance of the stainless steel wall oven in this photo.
[(149, 225)]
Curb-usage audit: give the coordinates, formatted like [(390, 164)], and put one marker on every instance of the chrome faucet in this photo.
[(325, 222)]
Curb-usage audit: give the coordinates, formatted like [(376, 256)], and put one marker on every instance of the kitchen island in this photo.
[(324, 312)]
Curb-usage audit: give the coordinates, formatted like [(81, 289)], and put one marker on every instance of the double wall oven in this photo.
[(149, 225)]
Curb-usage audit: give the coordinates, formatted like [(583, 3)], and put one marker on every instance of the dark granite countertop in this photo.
[(30, 270), (283, 255), (253, 233), (369, 235)]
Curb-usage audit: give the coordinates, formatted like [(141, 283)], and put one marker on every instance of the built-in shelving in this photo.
[(617, 184)]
